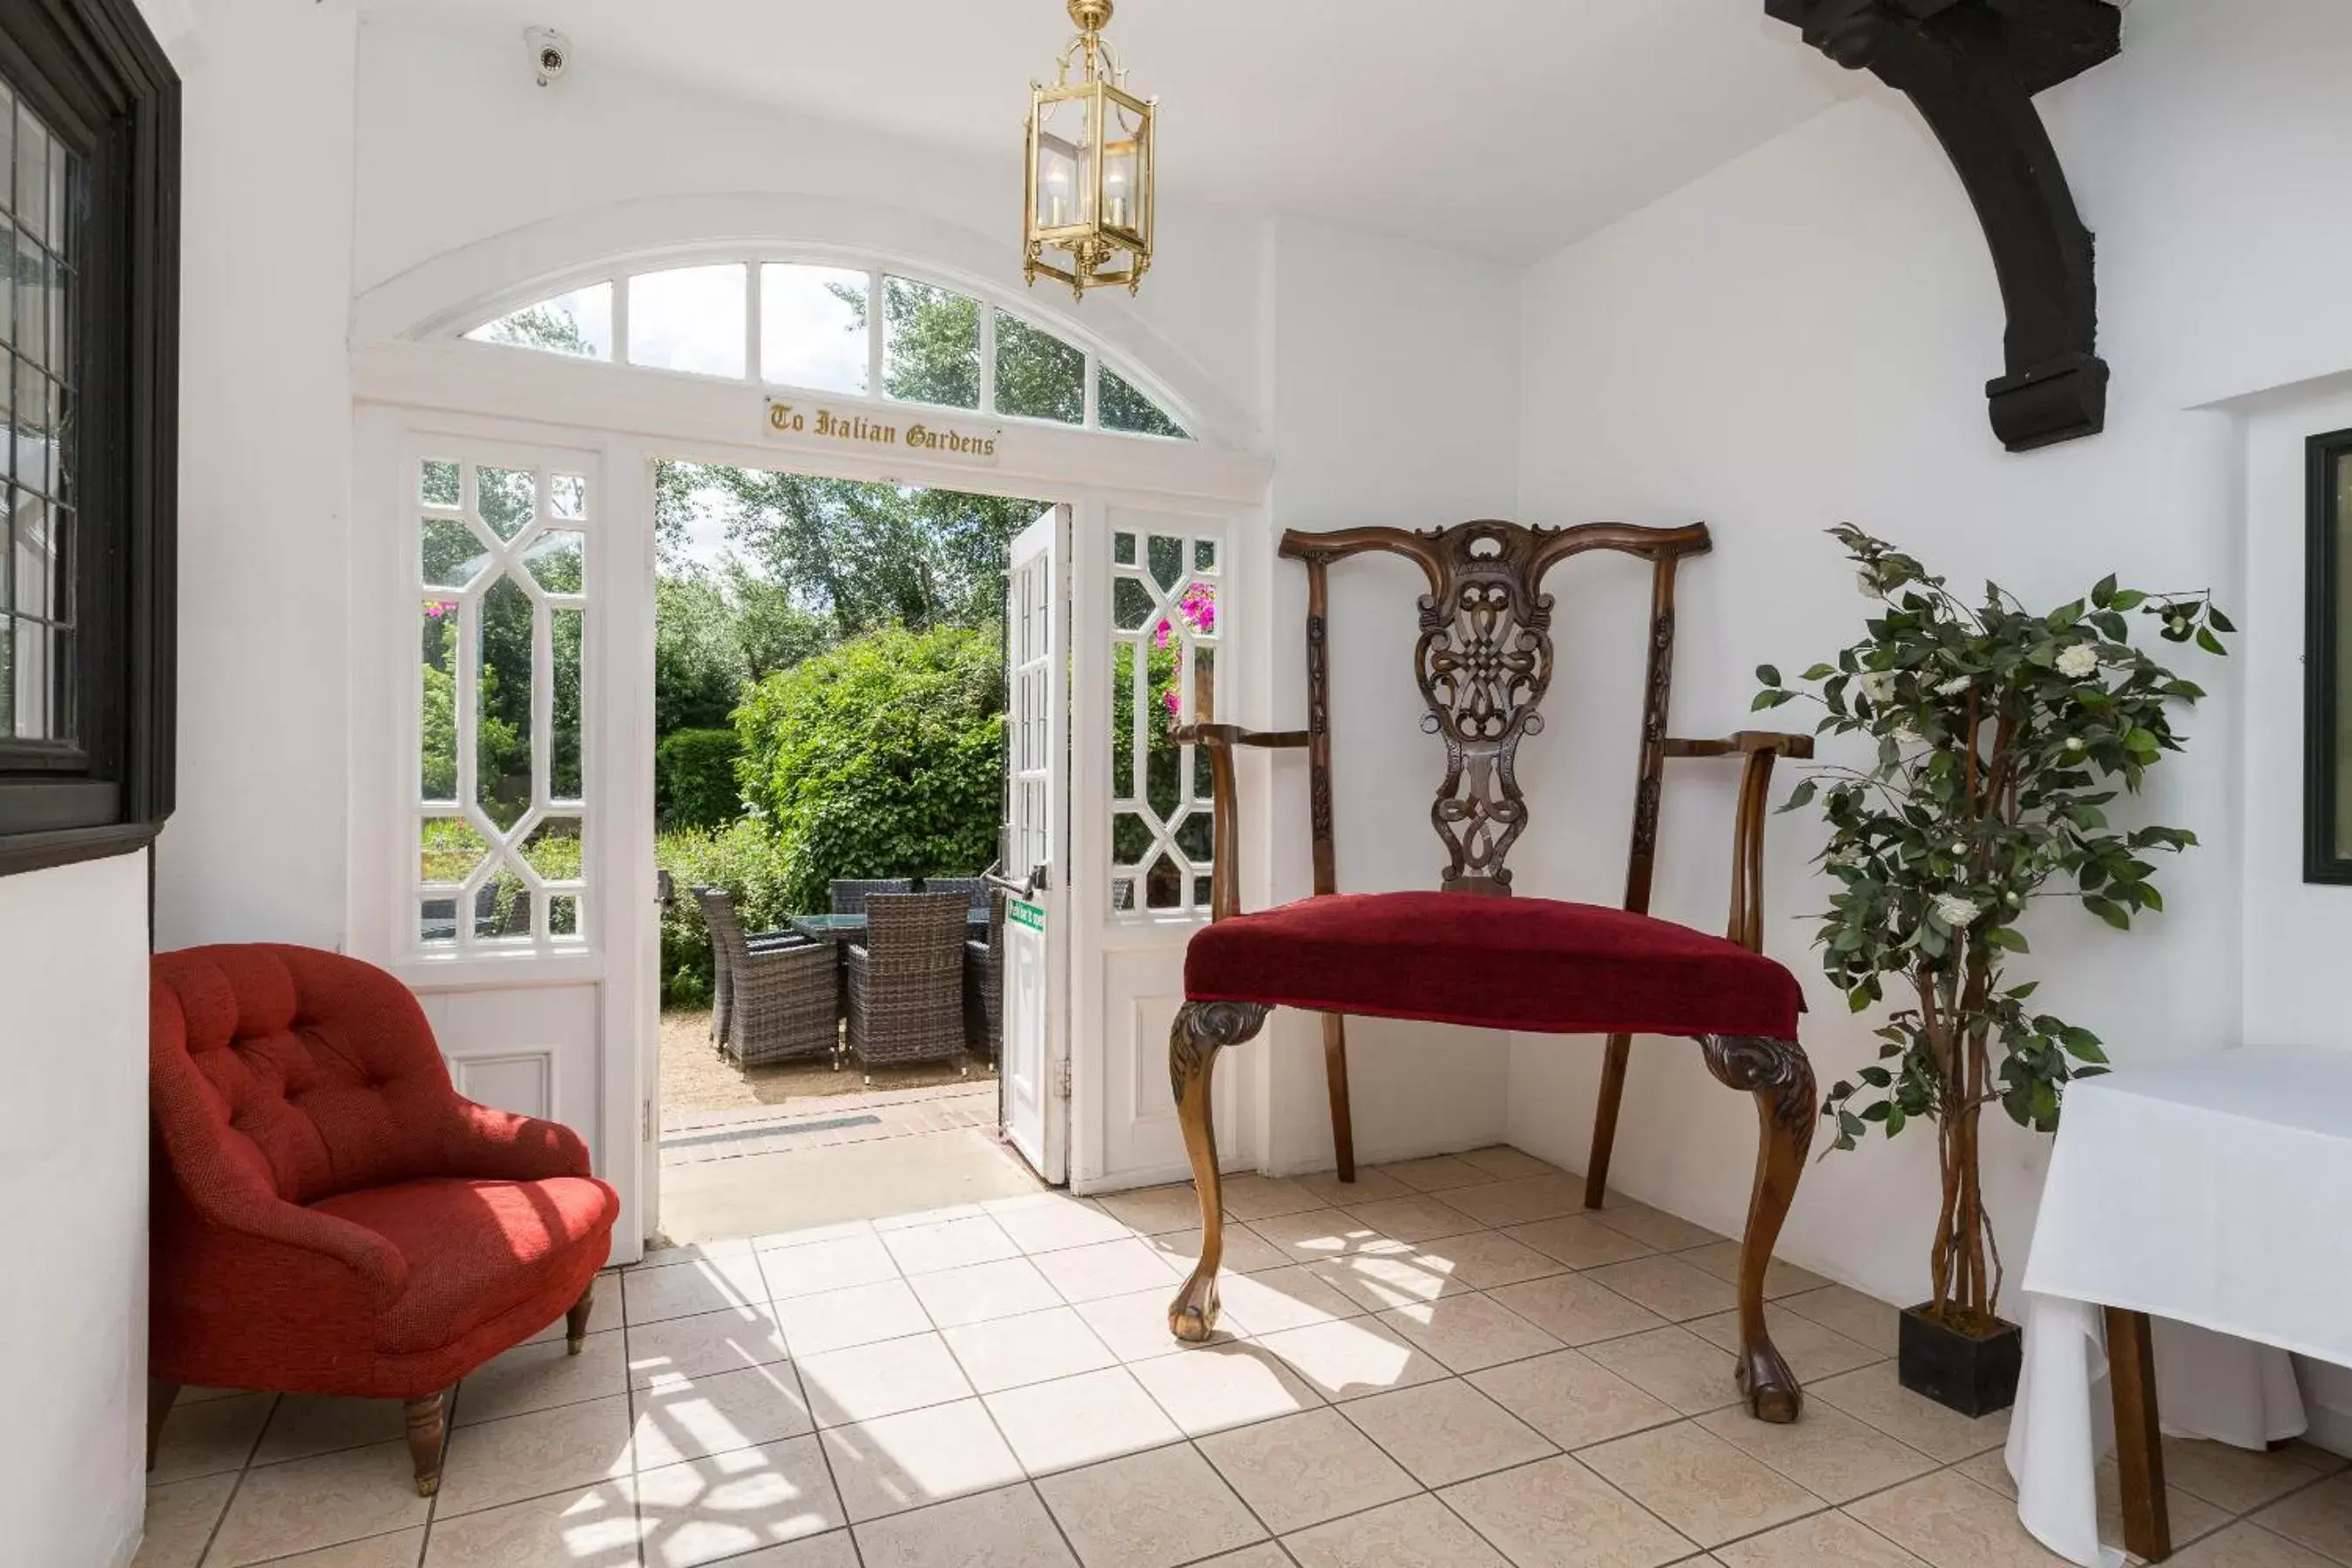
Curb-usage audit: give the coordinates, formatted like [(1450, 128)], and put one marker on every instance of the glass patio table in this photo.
[(839, 928)]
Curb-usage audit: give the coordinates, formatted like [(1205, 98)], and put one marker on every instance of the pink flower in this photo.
[(1159, 636), (440, 607), (1200, 606), (1175, 702)]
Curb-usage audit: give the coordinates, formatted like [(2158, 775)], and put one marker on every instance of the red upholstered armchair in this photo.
[(329, 1216)]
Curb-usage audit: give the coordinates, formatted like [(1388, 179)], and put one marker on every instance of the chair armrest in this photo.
[(501, 1145), (1219, 740), (1762, 748)]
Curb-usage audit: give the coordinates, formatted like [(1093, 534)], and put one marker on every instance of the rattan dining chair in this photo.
[(974, 889), (983, 983), (906, 982), (777, 998), (849, 895)]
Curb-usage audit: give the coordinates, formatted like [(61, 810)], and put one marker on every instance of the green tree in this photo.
[(699, 662)]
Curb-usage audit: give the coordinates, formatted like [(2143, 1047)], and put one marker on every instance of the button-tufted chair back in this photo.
[(314, 1072)]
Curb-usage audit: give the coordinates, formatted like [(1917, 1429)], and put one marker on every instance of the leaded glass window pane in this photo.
[(40, 183)]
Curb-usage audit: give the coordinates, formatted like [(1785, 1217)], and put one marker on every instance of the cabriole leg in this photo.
[(575, 1322), (1781, 1080), (1202, 1029)]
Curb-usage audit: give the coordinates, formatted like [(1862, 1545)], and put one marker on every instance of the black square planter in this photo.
[(1973, 1377)]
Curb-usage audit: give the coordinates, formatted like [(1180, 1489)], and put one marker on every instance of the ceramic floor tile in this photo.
[(919, 1459), (398, 1550), (1306, 1468), (1851, 1313), (1812, 1351), (682, 1348), (836, 1264), (1149, 1511), (1262, 1197), (1661, 1230), (1134, 1327), (712, 1414), (888, 1223), (708, 1285), (1244, 1251), (1571, 1399), (1555, 1513), (1225, 1385), (1265, 1554), (1504, 1164), (859, 1316), (1007, 1529), (1482, 1259), (1152, 1210), (2247, 1546), (593, 1527), (1436, 1174), (303, 1504), (695, 1251), (1312, 1236), (1828, 1453), (1352, 1358), (2189, 1517), (521, 1457), (1952, 1522), (1521, 1202), (723, 1505), (1328, 1190), (1091, 1272), (832, 1549), (980, 1291), (211, 1438), (1673, 1365), (1469, 1332), (540, 1377), (1418, 1532), (1721, 1258), (1698, 1483), (808, 1234), (2239, 1480), (180, 1519), (304, 1424), (1446, 1432), (1412, 1219), (1579, 1241), (1822, 1541), (1575, 1310), (1055, 1223), (1076, 1421), (949, 1244), (1378, 1281), (2318, 1517), (1668, 1287), (1005, 1352), (1281, 1299), (1874, 1394), (866, 1382)]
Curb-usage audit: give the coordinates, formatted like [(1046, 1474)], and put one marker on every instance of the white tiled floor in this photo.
[(1447, 1363)]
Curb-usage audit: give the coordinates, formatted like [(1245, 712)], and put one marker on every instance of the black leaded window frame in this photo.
[(95, 76)]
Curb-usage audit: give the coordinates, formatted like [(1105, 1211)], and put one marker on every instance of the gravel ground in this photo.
[(697, 1076)]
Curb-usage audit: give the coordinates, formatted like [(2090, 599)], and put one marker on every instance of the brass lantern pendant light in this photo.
[(1089, 182)]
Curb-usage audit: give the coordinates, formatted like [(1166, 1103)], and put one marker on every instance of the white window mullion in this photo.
[(874, 304), (620, 320), (751, 329), (988, 359), (1094, 391)]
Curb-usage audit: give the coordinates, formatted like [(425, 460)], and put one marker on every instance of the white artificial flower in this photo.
[(1878, 685), (2078, 660), (1907, 736), (1953, 686), (1956, 911), (1959, 847), (2076, 744)]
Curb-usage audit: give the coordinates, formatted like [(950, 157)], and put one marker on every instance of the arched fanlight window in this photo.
[(817, 328)]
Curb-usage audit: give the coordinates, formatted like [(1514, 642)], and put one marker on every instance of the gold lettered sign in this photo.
[(816, 425)]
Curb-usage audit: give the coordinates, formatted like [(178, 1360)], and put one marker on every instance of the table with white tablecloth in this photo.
[(2206, 1194)]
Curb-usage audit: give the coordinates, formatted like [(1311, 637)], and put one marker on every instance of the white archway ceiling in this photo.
[(1500, 128)]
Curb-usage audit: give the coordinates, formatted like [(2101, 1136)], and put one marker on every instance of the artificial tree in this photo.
[(2002, 736)]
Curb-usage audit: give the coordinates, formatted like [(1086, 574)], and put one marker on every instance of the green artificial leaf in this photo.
[(2103, 594), (2209, 643), (2220, 621), (1769, 674)]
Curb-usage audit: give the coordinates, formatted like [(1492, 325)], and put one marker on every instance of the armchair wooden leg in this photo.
[(1202, 1029), (427, 1426), (2139, 1440), (1604, 1120), (1778, 1074), (161, 1393), (1335, 1070), (575, 1322)]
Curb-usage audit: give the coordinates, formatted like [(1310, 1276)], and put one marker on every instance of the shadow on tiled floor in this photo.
[(1448, 1363)]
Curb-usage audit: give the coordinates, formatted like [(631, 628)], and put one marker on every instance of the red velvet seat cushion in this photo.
[(476, 1249), (1537, 964)]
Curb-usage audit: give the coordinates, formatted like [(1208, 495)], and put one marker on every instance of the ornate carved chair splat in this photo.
[(1484, 660)]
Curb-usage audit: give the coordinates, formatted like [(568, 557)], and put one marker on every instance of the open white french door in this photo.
[(1033, 1073), (500, 862)]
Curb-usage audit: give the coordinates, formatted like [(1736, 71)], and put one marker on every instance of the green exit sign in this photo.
[(1022, 913)]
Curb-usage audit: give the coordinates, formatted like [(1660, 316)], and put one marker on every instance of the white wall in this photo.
[(1801, 338), (257, 849), (73, 1204)]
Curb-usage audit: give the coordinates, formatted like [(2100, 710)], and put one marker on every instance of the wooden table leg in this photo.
[(2139, 1444)]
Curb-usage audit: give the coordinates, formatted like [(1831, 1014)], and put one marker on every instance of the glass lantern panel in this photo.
[(1124, 154), (1066, 162)]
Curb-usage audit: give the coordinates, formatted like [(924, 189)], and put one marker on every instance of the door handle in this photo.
[(665, 889)]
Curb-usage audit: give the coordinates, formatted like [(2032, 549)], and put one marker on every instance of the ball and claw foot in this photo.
[(1193, 1316), (1771, 1389)]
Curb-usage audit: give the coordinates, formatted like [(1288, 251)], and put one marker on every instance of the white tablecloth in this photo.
[(2208, 1194)]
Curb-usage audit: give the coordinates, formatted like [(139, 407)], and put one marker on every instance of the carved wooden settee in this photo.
[(1483, 661)]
